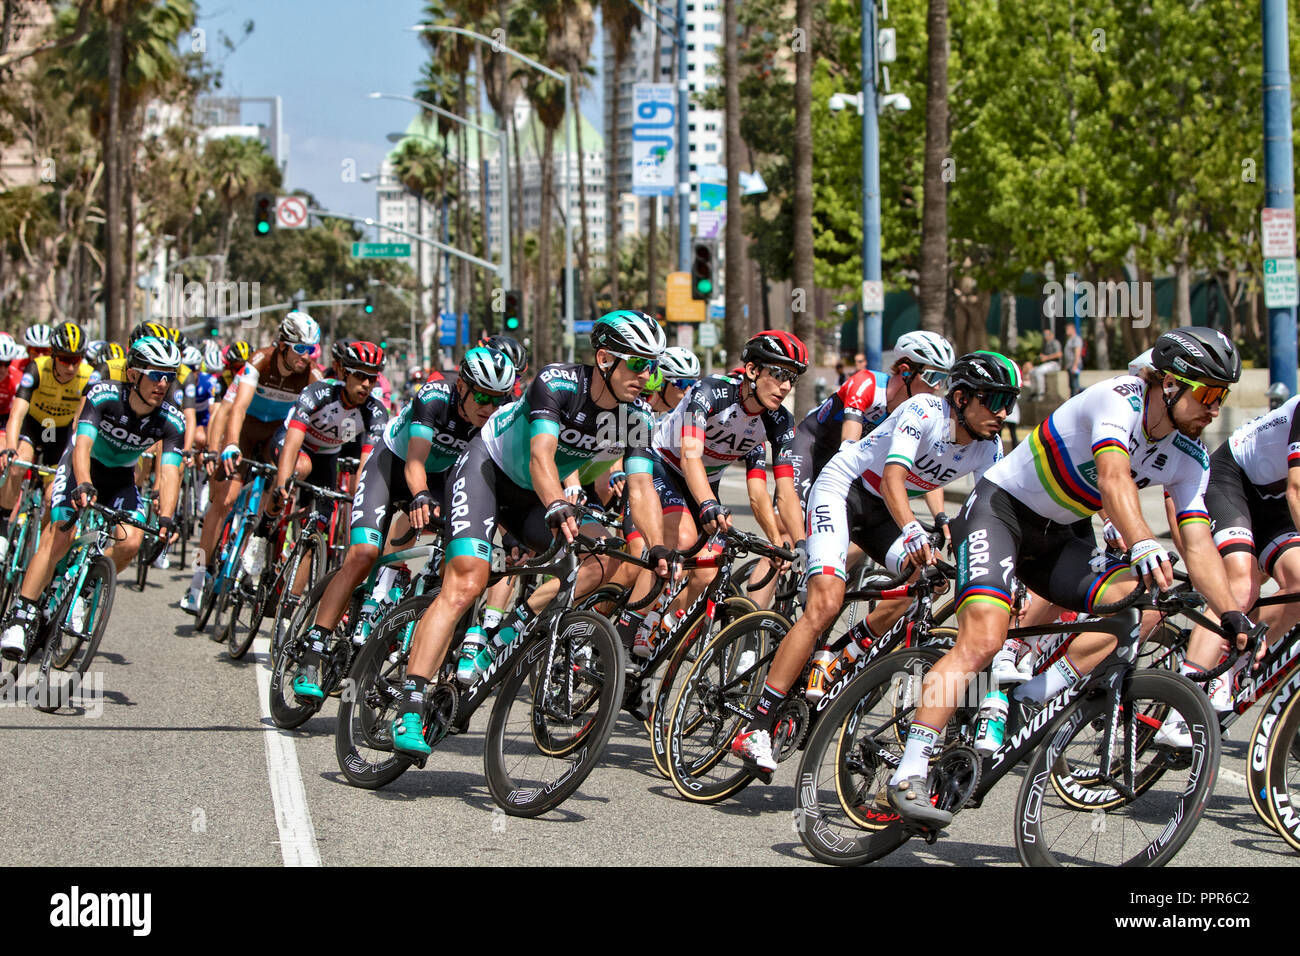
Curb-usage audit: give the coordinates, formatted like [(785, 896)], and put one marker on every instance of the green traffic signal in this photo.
[(704, 286), (512, 323), (263, 227)]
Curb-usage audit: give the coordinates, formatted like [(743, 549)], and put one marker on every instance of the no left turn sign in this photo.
[(291, 212)]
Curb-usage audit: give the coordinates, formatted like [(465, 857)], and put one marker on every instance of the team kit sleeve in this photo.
[(858, 397), (547, 408), (637, 459), (908, 430), (173, 437), (1114, 412), (31, 379), (1293, 441), (429, 410), (103, 396), (1187, 487), (377, 418), (780, 435)]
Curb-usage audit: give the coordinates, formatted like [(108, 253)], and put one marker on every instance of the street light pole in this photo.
[(871, 320), (499, 47)]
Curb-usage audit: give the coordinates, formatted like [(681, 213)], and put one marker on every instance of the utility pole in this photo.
[(1279, 175)]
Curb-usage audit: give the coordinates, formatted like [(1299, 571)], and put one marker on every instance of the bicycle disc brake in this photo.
[(954, 777)]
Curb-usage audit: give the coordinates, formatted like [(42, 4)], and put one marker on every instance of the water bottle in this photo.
[(991, 721)]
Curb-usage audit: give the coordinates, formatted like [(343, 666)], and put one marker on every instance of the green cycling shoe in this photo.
[(306, 686), (408, 735)]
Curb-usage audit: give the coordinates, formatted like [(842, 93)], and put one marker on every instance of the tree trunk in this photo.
[(735, 244), (804, 315), (613, 198), (130, 138), (1182, 286), (520, 264), (113, 184), (543, 321), (583, 304), (489, 280), (652, 255), (1008, 334), (934, 211)]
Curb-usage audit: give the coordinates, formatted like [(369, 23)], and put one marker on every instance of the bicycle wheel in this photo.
[(1165, 647), (1067, 814), (22, 545), (287, 711), (308, 558), (185, 510), (707, 712), (363, 741), (666, 683), (1263, 739), (541, 745), (97, 592), (852, 752), (1283, 775)]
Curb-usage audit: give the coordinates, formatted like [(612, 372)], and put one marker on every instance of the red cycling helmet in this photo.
[(774, 347), (362, 356)]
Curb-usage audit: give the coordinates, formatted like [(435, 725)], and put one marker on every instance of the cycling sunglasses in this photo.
[(1207, 395), (781, 373), (364, 374), (302, 348), (67, 358), (682, 383), (638, 363), (934, 377), (158, 375), (487, 398), (997, 401)]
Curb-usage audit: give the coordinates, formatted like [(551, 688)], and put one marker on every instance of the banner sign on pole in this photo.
[(713, 210), (654, 139)]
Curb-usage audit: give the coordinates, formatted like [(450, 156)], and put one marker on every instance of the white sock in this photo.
[(916, 754), (383, 581), (196, 582), (492, 618), (1049, 683)]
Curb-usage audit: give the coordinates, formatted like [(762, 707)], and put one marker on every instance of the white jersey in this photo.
[(1266, 447), (1054, 471), (918, 436)]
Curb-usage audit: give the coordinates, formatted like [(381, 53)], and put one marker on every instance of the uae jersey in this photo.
[(713, 413), (328, 424)]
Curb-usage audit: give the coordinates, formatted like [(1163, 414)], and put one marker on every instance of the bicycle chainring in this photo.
[(443, 702), (954, 776), (791, 728)]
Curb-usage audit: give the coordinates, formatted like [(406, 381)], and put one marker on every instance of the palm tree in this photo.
[(237, 167), (622, 20), (934, 211), (736, 330), (127, 53), (805, 322)]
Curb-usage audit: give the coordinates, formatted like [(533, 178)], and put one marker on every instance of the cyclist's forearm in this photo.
[(697, 480), (191, 423), (787, 500), (1119, 497), (647, 513), (851, 430), (169, 489), (1205, 567), (81, 459), (894, 491), (417, 480), (934, 501), (762, 508), (288, 456), (15, 425)]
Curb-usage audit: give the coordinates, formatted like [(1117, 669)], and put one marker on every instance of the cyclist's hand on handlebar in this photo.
[(230, 459), (167, 530), (942, 523), (714, 517), (1236, 625), (1112, 537), (663, 561), (561, 516), (916, 542), (7, 456), (279, 495), (617, 482), (1151, 563), (418, 510), (83, 494)]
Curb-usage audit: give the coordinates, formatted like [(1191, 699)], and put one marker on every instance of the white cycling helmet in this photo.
[(192, 356), (931, 350), (1144, 360), (151, 352), (37, 336), (212, 356), (629, 332), (488, 370), (299, 328), (678, 362), (10, 350)]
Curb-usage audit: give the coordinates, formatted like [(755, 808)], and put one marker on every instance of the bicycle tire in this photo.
[(44, 696), (539, 746), (851, 753), (362, 735), (231, 591), (702, 722), (1053, 832), (674, 670), (286, 711), (1261, 742), (20, 558), (208, 596), (314, 553), (1283, 775), (98, 586)]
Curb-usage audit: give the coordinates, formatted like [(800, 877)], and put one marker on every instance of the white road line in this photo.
[(292, 816), (1231, 776)]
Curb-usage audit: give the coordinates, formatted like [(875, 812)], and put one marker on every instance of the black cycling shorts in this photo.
[(1243, 520), (480, 496), (382, 491), (114, 487), (48, 442), (999, 540), (673, 493)]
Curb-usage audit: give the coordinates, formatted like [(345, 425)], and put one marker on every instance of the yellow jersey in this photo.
[(49, 399)]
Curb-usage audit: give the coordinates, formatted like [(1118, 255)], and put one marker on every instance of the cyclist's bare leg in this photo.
[(124, 548), (357, 564), (825, 598), (14, 479), (54, 545), (220, 500), (464, 579)]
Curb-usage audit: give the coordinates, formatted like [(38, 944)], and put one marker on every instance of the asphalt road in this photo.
[(178, 765)]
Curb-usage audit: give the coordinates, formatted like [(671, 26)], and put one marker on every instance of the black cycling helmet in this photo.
[(512, 348), (68, 338), (1198, 353), (986, 372), (339, 350)]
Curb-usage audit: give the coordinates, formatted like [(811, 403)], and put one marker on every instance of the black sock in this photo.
[(315, 639), (414, 689), (264, 527), (769, 702), (4, 524)]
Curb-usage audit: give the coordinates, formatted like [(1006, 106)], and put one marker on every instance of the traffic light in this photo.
[(369, 307), (263, 214), (514, 317), (702, 262), (384, 345), (210, 323)]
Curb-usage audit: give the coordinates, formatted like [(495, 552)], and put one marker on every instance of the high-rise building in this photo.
[(705, 127)]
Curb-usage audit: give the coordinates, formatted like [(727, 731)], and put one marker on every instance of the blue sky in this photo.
[(322, 57)]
